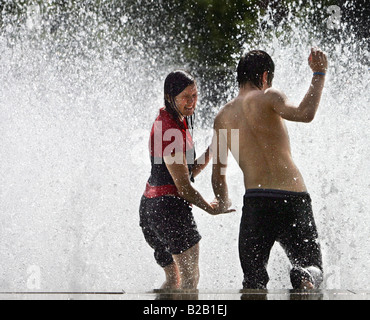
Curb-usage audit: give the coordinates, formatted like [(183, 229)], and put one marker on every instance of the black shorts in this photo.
[(274, 215), (168, 226)]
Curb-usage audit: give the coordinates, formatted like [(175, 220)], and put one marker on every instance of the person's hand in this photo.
[(228, 203), (318, 61), (217, 209)]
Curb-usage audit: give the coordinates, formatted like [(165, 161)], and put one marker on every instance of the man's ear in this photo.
[(265, 78)]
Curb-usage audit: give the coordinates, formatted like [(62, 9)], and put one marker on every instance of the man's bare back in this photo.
[(264, 147), (259, 115)]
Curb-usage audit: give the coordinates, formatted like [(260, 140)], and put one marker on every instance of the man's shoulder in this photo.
[(272, 94), (223, 114)]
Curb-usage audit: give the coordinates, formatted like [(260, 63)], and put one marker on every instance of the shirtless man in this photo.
[(277, 206)]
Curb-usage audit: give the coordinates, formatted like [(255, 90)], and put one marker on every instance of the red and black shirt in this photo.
[(167, 137)]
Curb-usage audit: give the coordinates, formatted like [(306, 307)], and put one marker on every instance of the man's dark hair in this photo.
[(252, 66)]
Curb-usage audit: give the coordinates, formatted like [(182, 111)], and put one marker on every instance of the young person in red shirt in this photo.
[(166, 214)]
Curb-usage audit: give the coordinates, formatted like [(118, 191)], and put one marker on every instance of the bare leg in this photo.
[(188, 264), (173, 279)]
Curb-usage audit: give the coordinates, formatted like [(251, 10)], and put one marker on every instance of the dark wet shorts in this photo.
[(282, 216), (168, 226)]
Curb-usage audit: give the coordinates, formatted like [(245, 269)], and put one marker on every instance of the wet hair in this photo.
[(252, 66), (175, 83)]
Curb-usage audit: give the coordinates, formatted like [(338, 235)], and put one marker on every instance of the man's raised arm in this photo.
[(307, 109)]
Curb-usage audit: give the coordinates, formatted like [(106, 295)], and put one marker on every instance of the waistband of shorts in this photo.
[(274, 193), (160, 191)]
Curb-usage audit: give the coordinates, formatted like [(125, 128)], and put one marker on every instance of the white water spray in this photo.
[(75, 115)]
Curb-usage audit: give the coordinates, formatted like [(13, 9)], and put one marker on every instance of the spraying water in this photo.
[(76, 109)]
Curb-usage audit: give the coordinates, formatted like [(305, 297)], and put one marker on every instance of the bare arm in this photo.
[(202, 162), (220, 149), (307, 109), (180, 174)]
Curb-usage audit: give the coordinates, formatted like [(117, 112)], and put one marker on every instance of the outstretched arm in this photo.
[(307, 109), (178, 169)]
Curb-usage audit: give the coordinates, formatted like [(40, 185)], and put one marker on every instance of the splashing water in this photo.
[(76, 109)]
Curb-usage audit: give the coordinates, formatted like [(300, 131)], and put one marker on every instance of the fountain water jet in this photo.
[(76, 108)]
